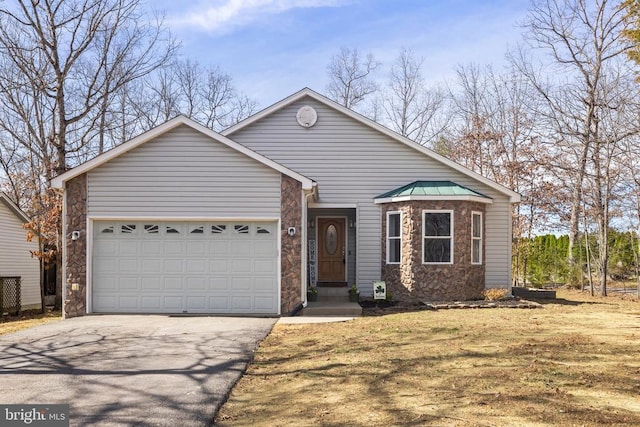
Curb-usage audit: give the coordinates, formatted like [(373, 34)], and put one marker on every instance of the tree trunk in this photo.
[(588, 256)]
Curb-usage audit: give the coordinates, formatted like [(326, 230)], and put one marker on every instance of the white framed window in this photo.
[(151, 229), (241, 229), (437, 237), (476, 237), (196, 229), (394, 237), (109, 229), (169, 229), (218, 228), (128, 228)]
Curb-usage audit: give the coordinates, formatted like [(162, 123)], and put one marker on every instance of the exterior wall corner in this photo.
[(76, 250), (290, 246)]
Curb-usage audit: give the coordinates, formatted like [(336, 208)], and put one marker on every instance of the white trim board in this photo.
[(434, 198), (180, 218), (332, 205)]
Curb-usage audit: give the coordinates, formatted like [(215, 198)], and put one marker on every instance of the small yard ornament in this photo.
[(354, 294), (379, 290)]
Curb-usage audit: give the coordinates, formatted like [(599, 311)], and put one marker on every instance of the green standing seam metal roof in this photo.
[(431, 188)]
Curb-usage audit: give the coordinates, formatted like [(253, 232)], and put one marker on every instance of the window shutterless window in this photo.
[(437, 237), (476, 238), (394, 237)]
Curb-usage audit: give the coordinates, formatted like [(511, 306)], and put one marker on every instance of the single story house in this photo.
[(182, 219), (16, 261)]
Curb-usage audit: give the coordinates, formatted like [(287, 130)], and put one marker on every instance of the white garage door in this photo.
[(185, 267)]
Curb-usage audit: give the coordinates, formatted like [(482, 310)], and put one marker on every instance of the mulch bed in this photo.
[(382, 307)]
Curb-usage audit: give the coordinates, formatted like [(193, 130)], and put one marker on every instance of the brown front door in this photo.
[(331, 250)]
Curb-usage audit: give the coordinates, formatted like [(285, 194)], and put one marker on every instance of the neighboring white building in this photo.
[(15, 253)]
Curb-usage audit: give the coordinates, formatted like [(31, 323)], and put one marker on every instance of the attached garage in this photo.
[(185, 267), (183, 220)]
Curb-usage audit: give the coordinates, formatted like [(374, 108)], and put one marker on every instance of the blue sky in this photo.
[(273, 48)]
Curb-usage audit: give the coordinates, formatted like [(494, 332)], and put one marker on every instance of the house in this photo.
[(16, 262), (185, 220)]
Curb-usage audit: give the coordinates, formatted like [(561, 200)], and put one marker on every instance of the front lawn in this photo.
[(574, 362)]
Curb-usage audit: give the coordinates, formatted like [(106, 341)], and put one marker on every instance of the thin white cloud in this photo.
[(227, 15)]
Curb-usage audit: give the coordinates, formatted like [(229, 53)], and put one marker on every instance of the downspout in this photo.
[(313, 194)]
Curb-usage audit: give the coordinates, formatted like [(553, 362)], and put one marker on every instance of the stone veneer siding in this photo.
[(76, 250), (291, 246), (411, 279)]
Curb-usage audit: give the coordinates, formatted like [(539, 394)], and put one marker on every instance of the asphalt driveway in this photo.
[(130, 370)]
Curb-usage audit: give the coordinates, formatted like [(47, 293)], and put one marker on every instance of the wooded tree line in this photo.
[(559, 124), (547, 263)]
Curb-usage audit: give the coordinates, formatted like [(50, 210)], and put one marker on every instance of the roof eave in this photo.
[(465, 198)]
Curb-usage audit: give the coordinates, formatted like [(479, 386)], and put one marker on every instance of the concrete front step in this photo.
[(332, 308), (333, 292), (332, 299)]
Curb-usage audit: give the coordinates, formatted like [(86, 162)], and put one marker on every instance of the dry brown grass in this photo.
[(10, 324), (574, 362), (495, 294)]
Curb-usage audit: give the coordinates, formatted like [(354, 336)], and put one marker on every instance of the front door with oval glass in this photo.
[(331, 250)]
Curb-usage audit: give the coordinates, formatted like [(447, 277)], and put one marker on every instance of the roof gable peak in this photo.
[(58, 182), (307, 92)]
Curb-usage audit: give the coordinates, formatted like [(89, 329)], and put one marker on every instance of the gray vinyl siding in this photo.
[(16, 259), (184, 173), (353, 163)]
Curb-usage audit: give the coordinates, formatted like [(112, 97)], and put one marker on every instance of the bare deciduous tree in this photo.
[(581, 42), (68, 59), (350, 77), (205, 94), (494, 132), (409, 107)]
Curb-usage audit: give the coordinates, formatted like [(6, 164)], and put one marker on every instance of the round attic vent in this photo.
[(306, 116)]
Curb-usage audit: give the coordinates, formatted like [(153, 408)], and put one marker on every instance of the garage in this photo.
[(218, 267)]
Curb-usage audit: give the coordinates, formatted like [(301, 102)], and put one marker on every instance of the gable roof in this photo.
[(14, 208), (306, 92), (58, 181), (432, 190)]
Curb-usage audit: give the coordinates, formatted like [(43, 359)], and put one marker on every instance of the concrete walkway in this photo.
[(130, 370), (313, 319)]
